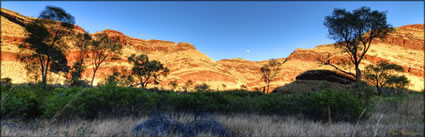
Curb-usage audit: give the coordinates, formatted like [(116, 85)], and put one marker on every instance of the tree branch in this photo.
[(349, 73)]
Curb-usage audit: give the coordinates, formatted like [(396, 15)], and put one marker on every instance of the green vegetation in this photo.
[(147, 71), (47, 43), (382, 75), (270, 71), (104, 50), (354, 32), (112, 100)]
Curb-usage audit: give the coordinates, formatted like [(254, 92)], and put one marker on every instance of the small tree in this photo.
[(354, 33), (380, 74), (270, 71), (83, 41), (147, 71), (244, 87), (104, 50), (398, 82), (223, 86), (121, 79), (188, 85), (201, 87), (46, 40), (173, 84)]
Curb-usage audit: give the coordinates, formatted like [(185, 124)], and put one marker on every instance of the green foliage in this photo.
[(111, 100), (147, 71), (19, 103), (354, 32), (398, 83), (47, 42), (119, 79), (381, 75), (83, 42), (343, 105), (270, 71), (104, 49), (57, 101), (173, 84)]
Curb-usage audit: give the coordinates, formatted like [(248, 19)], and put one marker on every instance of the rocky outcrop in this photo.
[(408, 36), (327, 75)]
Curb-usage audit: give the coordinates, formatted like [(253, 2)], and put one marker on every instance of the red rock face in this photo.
[(307, 55), (187, 63), (405, 37)]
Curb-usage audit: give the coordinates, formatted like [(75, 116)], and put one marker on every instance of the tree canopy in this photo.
[(382, 74), (47, 41), (147, 71), (354, 32)]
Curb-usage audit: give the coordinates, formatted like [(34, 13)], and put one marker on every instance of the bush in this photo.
[(344, 106), (20, 103), (112, 100), (5, 81), (56, 102)]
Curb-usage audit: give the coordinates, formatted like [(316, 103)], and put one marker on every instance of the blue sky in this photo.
[(222, 30)]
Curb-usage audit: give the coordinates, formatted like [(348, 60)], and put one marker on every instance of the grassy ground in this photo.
[(392, 116)]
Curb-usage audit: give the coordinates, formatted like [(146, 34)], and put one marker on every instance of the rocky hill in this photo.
[(405, 47)]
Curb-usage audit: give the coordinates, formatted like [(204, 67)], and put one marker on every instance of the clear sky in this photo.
[(222, 30)]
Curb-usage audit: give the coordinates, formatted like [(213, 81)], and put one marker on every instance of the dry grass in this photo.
[(399, 118)]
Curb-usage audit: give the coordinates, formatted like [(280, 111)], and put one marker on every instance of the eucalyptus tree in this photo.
[(354, 32), (147, 71), (46, 39)]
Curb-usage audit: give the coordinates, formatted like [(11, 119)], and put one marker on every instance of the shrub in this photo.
[(20, 103), (201, 87), (6, 81), (56, 102), (110, 100), (343, 105)]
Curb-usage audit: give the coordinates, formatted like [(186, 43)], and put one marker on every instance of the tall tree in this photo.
[(47, 41), (104, 50), (270, 71), (147, 71), (354, 33), (83, 41), (381, 73)]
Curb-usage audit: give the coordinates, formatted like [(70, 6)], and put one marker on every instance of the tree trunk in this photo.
[(379, 90), (142, 84), (358, 74), (44, 73), (92, 79), (44, 79), (268, 86)]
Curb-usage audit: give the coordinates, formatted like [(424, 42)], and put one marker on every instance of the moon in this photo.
[(247, 51)]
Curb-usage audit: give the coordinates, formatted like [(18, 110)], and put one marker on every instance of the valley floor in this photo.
[(389, 118)]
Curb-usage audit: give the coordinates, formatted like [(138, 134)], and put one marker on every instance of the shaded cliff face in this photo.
[(404, 46)]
